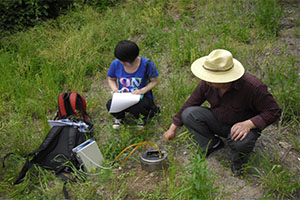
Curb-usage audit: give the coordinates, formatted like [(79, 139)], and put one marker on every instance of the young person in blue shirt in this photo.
[(128, 74)]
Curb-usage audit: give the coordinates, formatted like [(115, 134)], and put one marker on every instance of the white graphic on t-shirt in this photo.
[(130, 84)]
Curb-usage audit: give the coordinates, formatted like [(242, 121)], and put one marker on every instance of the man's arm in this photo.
[(268, 112), (196, 98), (266, 107)]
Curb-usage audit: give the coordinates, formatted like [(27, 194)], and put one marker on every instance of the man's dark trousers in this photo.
[(206, 129)]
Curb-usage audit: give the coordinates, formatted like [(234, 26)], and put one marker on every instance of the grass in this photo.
[(197, 182), (278, 181), (73, 53)]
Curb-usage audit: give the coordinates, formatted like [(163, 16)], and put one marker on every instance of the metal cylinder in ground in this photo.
[(151, 160)]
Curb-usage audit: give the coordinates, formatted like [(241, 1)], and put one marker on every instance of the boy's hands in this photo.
[(114, 91), (140, 91)]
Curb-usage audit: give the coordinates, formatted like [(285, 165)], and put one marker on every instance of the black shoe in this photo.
[(237, 170), (217, 146), (238, 162)]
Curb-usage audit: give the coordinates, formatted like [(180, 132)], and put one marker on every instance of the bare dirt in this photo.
[(139, 182)]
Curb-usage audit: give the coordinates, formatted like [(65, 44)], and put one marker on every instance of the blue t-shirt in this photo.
[(131, 82)]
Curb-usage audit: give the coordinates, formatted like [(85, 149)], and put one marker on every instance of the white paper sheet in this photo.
[(121, 101)]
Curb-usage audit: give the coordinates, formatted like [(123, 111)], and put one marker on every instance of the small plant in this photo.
[(277, 180), (195, 181)]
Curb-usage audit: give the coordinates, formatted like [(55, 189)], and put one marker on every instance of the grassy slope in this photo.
[(73, 53)]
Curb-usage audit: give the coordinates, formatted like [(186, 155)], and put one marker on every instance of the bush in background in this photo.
[(18, 14)]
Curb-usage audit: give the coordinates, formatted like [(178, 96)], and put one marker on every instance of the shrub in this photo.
[(17, 14)]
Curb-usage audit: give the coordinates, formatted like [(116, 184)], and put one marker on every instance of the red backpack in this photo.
[(71, 105)]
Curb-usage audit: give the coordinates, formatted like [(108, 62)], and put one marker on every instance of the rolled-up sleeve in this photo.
[(267, 108)]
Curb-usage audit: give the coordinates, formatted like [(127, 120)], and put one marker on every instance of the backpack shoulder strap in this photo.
[(66, 180), (78, 102), (23, 172), (49, 138), (147, 78), (72, 132)]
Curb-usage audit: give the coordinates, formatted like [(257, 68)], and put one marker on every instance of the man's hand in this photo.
[(240, 130), (170, 133)]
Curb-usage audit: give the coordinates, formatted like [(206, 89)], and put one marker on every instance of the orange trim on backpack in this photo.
[(73, 102), (61, 104)]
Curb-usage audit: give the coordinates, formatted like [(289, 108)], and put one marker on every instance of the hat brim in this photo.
[(233, 74)]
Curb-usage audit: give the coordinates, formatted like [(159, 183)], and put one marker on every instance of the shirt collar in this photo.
[(238, 83)]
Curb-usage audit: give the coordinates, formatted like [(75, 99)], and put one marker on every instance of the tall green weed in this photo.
[(193, 181)]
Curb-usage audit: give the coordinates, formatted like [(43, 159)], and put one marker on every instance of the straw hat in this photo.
[(218, 67)]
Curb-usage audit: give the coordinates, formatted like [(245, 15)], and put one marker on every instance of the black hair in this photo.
[(127, 51)]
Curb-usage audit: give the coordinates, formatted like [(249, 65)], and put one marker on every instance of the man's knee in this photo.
[(193, 113), (185, 115), (246, 145)]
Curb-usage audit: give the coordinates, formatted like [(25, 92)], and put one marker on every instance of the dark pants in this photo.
[(206, 129), (144, 107)]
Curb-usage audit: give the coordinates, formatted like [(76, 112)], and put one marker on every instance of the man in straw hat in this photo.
[(240, 108)]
